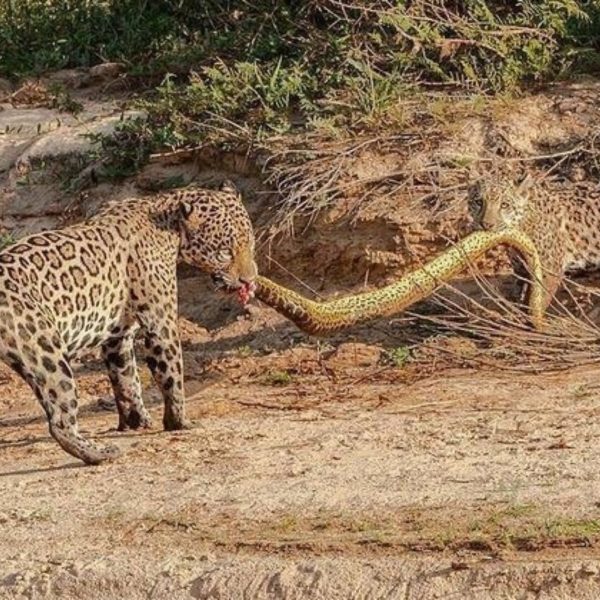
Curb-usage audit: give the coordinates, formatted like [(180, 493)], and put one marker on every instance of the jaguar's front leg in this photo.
[(119, 358), (164, 359)]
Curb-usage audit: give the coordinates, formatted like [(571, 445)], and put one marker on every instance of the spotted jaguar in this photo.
[(98, 282)]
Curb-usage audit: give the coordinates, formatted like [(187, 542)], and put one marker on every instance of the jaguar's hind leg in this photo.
[(58, 395), (119, 358), (43, 364)]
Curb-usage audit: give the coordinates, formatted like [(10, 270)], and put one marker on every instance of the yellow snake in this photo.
[(327, 316)]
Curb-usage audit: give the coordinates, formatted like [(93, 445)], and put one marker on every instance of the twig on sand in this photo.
[(272, 406), (415, 407)]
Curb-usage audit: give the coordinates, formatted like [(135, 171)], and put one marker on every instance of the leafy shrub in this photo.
[(253, 69), (6, 240), (397, 357), (333, 64), (469, 41)]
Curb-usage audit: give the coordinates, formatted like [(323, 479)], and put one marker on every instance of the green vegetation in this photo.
[(245, 351), (61, 99), (302, 43), (38, 35), (397, 357), (241, 74), (6, 240), (489, 530), (277, 378), (270, 68)]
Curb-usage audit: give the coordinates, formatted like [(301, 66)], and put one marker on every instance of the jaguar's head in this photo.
[(217, 236), (498, 203)]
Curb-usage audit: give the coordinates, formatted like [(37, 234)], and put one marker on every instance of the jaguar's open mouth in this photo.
[(246, 292), (243, 289)]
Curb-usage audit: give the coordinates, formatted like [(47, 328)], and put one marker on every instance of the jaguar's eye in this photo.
[(504, 205), (224, 255)]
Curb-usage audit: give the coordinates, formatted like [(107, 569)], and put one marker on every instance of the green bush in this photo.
[(50, 34), (6, 240), (235, 69), (333, 64), (470, 41)]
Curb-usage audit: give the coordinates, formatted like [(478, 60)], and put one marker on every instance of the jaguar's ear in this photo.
[(526, 182), (186, 209), (193, 214), (475, 190), (229, 186)]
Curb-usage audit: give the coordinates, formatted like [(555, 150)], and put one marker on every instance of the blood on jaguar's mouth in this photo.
[(246, 292)]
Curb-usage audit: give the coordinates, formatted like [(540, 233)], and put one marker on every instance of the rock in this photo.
[(106, 71), (65, 140), (28, 122), (10, 151), (69, 78)]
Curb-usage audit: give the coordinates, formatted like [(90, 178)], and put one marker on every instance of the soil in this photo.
[(365, 465), (310, 472)]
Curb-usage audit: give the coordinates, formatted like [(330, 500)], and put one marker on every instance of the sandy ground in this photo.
[(311, 471)]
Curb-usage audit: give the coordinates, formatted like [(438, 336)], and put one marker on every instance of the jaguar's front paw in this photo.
[(139, 420), (172, 423)]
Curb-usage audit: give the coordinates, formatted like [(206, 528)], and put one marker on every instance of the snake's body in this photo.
[(328, 316)]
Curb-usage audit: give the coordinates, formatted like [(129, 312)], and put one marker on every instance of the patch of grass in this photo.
[(517, 510), (580, 391), (277, 378), (286, 525), (245, 351), (572, 528), (61, 99), (6, 240), (527, 527), (397, 357), (485, 529)]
